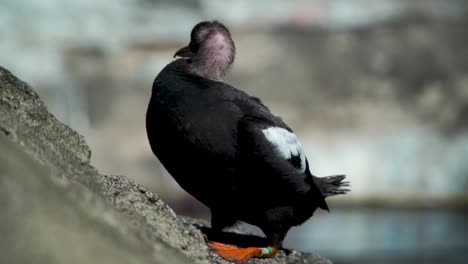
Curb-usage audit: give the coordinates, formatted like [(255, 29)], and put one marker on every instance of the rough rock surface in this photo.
[(57, 208)]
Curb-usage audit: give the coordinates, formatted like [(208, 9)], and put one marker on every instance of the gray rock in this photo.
[(58, 209), (49, 219)]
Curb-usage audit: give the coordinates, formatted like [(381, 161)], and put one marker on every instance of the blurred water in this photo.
[(378, 235), (405, 162)]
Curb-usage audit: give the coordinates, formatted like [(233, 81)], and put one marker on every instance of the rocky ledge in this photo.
[(57, 208)]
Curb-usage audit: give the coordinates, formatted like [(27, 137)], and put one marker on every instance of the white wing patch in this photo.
[(286, 143)]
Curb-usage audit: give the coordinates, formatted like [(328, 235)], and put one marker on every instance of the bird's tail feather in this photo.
[(332, 185)]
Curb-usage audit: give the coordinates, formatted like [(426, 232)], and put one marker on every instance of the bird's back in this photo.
[(191, 129), (211, 138)]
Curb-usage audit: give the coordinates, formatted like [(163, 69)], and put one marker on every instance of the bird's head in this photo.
[(211, 50)]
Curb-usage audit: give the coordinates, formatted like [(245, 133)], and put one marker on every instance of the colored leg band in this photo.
[(266, 251)]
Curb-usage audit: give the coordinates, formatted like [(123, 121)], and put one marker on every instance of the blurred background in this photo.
[(375, 89)]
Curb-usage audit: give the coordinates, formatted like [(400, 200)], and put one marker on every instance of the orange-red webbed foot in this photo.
[(241, 255)]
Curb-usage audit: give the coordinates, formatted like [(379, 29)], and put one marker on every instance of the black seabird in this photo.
[(228, 150)]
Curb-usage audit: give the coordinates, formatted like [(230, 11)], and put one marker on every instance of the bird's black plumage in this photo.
[(219, 143)]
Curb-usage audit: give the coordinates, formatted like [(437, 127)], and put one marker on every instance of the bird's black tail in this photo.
[(332, 185)]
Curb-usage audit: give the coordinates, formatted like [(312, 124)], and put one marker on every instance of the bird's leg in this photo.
[(242, 255), (229, 252), (219, 221)]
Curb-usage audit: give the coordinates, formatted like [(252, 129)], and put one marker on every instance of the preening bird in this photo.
[(228, 150)]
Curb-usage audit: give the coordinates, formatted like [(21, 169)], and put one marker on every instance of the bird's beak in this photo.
[(184, 52)]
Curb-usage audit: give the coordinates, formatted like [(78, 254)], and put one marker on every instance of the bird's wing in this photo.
[(271, 155)]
